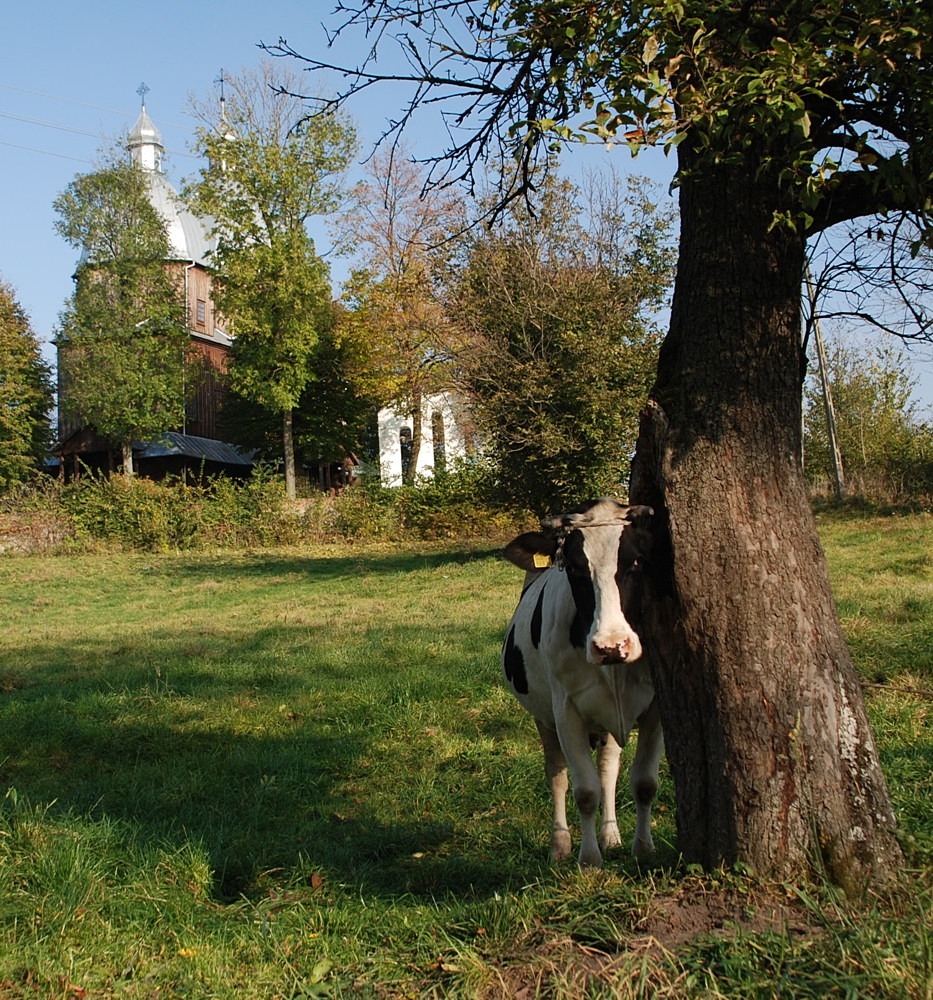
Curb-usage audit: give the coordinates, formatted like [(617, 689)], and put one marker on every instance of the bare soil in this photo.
[(646, 959)]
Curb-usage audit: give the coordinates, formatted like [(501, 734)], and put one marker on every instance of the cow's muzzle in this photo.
[(615, 651)]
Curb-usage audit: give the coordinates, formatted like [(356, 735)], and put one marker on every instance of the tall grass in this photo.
[(295, 773)]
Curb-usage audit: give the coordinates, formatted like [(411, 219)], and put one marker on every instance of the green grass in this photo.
[(290, 774)]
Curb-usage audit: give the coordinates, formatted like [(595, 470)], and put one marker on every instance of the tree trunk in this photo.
[(773, 760), (127, 459), (417, 437), (288, 450)]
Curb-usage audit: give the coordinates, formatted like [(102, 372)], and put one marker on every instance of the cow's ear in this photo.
[(532, 550), (637, 513)]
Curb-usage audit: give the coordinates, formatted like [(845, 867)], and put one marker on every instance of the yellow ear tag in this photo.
[(542, 561)]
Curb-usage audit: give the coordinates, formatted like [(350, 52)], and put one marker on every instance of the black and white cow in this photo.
[(573, 658)]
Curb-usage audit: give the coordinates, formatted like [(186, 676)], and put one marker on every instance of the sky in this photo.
[(68, 88)]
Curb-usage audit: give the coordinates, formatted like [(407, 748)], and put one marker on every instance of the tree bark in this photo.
[(773, 760), (127, 449), (288, 450), (417, 437)]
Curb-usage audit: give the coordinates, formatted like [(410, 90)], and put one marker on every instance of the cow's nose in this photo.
[(616, 652)]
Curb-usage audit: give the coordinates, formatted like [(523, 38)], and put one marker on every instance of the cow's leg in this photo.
[(607, 755), (645, 777), (575, 741), (555, 766)]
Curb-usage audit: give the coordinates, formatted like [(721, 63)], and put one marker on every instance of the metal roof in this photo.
[(187, 234), (190, 446)]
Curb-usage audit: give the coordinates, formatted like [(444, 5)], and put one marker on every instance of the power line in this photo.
[(54, 97), (44, 152), (84, 104), (12, 115), (38, 121)]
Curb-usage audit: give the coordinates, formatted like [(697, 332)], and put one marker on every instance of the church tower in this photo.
[(198, 442), (145, 140)]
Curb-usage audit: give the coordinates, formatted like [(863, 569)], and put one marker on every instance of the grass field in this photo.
[(296, 774)]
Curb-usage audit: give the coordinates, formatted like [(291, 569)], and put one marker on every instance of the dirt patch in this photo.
[(673, 921), (644, 962)]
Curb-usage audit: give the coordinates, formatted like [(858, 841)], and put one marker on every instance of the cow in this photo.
[(573, 657)]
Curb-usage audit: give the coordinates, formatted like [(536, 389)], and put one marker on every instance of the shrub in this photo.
[(145, 515)]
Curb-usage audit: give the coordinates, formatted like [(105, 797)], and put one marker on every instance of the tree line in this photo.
[(557, 407), (545, 324)]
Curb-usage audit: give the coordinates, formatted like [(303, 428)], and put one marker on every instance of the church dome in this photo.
[(187, 234), (145, 143)]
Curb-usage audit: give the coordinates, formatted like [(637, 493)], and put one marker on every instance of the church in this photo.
[(198, 444)]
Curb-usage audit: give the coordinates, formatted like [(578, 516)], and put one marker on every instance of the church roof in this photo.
[(187, 234), (144, 132)]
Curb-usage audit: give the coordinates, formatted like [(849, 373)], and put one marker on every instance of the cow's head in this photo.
[(602, 546)]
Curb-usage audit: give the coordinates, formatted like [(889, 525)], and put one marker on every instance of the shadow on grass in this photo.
[(320, 565), (268, 768)]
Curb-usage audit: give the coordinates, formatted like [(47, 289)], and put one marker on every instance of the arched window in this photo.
[(404, 440)]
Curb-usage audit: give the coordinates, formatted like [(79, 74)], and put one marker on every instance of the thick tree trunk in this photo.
[(288, 450), (773, 760)]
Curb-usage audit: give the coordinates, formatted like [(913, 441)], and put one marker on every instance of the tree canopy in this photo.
[(558, 335), (832, 98), (396, 231), (269, 172), (123, 334), (25, 394)]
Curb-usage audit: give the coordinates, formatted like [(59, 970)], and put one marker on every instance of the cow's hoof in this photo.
[(561, 847), (642, 848), (610, 837), (590, 859)]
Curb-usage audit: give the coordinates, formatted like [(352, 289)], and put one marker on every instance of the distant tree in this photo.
[(26, 397), (559, 339), (885, 446), (269, 173), (331, 420), (335, 413), (123, 334), (393, 312)]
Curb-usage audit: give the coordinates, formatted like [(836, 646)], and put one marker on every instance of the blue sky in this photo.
[(68, 83)]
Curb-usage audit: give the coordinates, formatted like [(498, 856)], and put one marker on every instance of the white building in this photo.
[(447, 436)]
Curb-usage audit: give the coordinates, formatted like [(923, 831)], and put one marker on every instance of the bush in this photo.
[(454, 504), (145, 515)]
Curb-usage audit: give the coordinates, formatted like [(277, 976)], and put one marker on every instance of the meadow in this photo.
[(295, 773)]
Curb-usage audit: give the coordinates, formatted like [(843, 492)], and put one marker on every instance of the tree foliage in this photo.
[(25, 394), (269, 173), (123, 335), (558, 336), (333, 416), (887, 451), (394, 314), (829, 98)]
